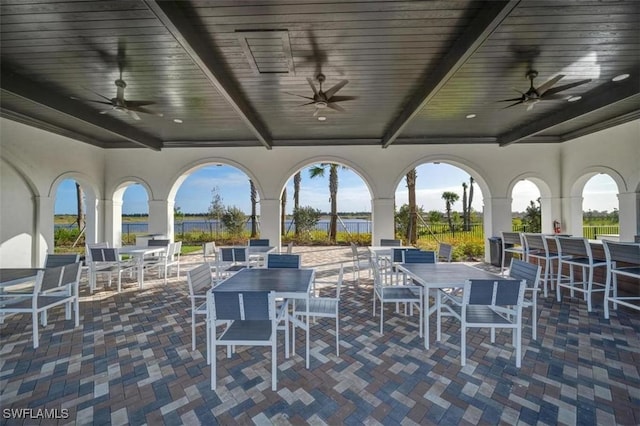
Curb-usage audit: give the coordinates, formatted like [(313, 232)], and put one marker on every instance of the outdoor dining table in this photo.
[(287, 283), (138, 253), (440, 275)]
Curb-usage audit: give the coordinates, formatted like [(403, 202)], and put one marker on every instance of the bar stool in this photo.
[(576, 251), (511, 243), (537, 247), (628, 254)]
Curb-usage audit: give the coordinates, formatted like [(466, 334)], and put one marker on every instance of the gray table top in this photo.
[(435, 275), (280, 280)]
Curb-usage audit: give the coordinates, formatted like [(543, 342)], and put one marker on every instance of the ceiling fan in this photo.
[(120, 104), (545, 92), (328, 99)]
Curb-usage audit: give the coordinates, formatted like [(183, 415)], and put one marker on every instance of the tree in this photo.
[(216, 208), (178, 214), (233, 220), (411, 232), (450, 198), (254, 203), (403, 218), (318, 171), (79, 199), (465, 223), (283, 212), (297, 178), (306, 218), (532, 217)]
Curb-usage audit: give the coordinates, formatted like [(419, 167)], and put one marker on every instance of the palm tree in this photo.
[(318, 171), (465, 217), (254, 202), (412, 235), (297, 178), (450, 198), (283, 208)]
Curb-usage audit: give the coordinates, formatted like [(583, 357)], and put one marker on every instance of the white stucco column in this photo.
[(383, 218), (270, 221), (497, 218), (629, 208), (113, 222), (91, 234), (44, 227), (161, 217), (571, 222), (550, 210)]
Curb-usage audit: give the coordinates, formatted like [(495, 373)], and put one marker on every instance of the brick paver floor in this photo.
[(130, 362)]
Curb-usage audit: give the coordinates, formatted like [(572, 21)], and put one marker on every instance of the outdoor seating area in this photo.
[(131, 358)]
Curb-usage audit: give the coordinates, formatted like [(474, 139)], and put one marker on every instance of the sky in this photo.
[(195, 194)]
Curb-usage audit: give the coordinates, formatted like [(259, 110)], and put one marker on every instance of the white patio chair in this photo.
[(629, 255), (53, 260), (277, 260), (200, 281), (92, 267), (445, 252), (252, 321), (410, 294), (576, 252), (388, 242), (108, 260), (487, 304), (511, 243), (230, 261), (210, 253), (530, 273), (53, 287), (320, 307), (360, 261)]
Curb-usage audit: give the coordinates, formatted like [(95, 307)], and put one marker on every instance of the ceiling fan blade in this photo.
[(145, 111), (342, 98), (511, 100), (308, 103), (554, 97), (300, 96), (95, 93), (91, 100), (336, 107), (565, 87), (531, 105), (329, 93), (549, 84), (513, 104), (315, 113), (313, 86), (106, 111), (138, 103)]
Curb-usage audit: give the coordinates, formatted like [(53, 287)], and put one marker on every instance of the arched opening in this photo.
[(70, 217), (437, 202), (135, 213), (216, 202), (526, 207), (600, 210), (326, 202)]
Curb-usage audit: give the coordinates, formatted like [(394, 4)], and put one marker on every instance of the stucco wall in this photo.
[(40, 160)]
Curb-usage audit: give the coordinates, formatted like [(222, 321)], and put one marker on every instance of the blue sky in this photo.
[(194, 196)]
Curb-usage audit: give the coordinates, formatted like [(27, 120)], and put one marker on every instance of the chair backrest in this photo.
[(106, 254), (158, 243), (275, 260), (574, 246), (259, 242), (622, 252), (419, 256), (54, 260), (354, 250), (397, 254), (241, 305), (233, 254), (535, 242), (56, 277), (499, 292), (511, 238), (200, 280), (339, 282), (445, 251), (529, 272), (386, 242), (290, 248), (177, 249), (88, 247), (171, 250)]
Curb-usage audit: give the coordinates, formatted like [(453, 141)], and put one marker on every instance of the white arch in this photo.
[(584, 175), (85, 181), (328, 159), (123, 183), (536, 179), (187, 170)]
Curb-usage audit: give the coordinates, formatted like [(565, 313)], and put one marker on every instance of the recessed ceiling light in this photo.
[(322, 118), (177, 120), (471, 116), (574, 98), (620, 77)]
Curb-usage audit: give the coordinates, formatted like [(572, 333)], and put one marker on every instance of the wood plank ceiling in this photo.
[(230, 70)]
